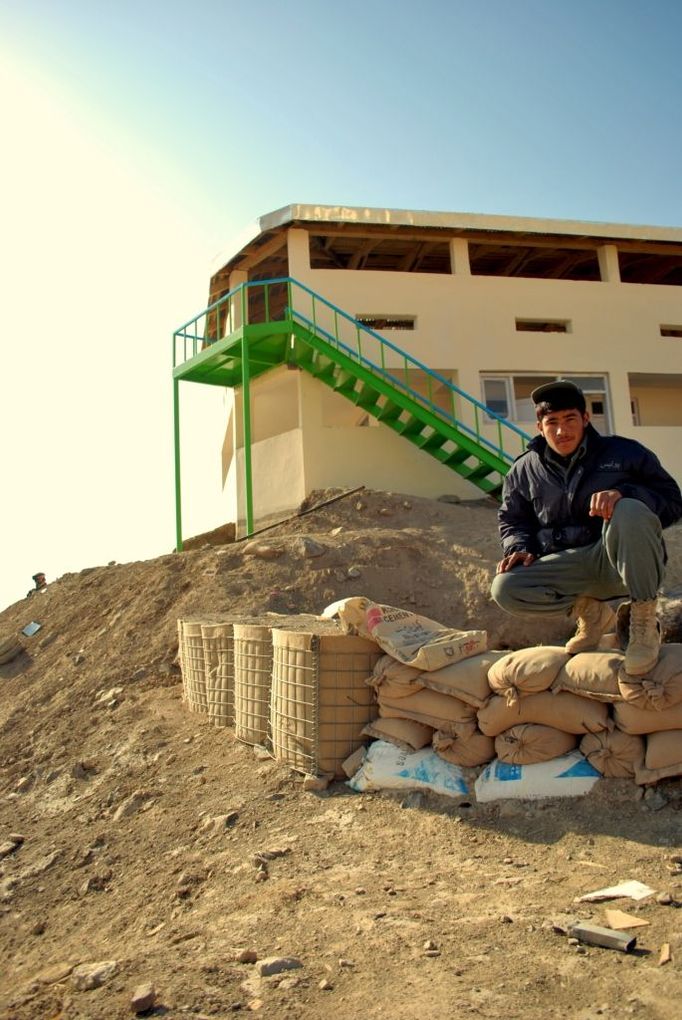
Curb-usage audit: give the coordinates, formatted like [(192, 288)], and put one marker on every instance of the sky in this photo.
[(139, 137)]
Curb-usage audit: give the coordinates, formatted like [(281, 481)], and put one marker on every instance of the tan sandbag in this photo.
[(565, 712), (664, 750), (428, 707), (465, 748), (404, 733), (526, 671), (663, 757), (531, 743), (410, 638), (661, 687), (394, 679), (633, 719), (592, 675), (466, 680), (615, 754), (319, 700)]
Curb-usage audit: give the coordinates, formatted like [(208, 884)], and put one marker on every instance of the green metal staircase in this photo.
[(263, 324)]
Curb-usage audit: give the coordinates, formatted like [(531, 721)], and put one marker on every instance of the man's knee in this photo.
[(632, 513), (504, 590)]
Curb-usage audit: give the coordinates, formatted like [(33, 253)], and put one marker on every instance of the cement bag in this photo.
[(632, 719), (526, 671), (467, 750), (531, 743), (663, 757), (404, 733), (591, 675), (571, 775), (430, 708), (565, 712), (466, 680), (659, 689), (388, 768), (319, 702), (412, 639), (616, 754)]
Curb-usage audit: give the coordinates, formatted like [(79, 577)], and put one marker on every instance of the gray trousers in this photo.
[(628, 560)]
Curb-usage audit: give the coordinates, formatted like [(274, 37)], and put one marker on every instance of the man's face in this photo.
[(563, 430)]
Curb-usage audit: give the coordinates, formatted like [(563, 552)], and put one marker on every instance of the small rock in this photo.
[(665, 899), (51, 975), (581, 951), (138, 675), (354, 571), (262, 551), (506, 919), (110, 695), (277, 965), (7, 848), (654, 799), (261, 753), (573, 942), (343, 962), (78, 659), (384, 511), (406, 505), (39, 928), (24, 784), (325, 985), (143, 998), (308, 547), (360, 505), (92, 975), (287, 983), (316, 783), (247, 956), (432, 953), (16, 837), (336, 531), (429, 944), (47, 640), (131, 805), (360, 890)]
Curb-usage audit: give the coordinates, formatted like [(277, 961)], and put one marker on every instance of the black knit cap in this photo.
[(561, 395)]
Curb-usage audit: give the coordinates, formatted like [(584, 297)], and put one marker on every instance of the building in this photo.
[(491, 305)]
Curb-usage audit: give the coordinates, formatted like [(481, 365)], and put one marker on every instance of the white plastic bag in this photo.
[(387, 767), (571, 775)]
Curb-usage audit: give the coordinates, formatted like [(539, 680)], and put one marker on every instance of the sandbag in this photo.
[(663, 757), (526, 671), (661, 687), (386, 767), (465, 749), (404, 733), (664, 749), (410, 638), (633, 719), (466, 680), (571, 775), (531, 743), (591, 675), (394, 679), (430, 708), (615, 754), (565, 712)]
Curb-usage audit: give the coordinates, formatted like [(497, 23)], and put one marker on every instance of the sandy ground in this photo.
[(129, 827)]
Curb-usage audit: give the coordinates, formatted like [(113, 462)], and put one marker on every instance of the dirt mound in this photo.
[(133, 833)]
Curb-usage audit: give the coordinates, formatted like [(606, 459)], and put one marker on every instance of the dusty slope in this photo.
[(429, 909)]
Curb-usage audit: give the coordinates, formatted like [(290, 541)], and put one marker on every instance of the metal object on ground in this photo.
[(608, 938)]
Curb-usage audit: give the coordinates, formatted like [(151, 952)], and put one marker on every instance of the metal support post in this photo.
[(246, 414), (176, 440)]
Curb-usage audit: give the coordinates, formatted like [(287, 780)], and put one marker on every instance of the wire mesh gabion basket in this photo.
[(192, 664), (252, 682), (218, 642), (320, 700)]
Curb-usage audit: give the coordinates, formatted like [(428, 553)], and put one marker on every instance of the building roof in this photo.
[(263, 242)]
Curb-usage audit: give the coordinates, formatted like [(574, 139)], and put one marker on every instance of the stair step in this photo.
[(478, 473)]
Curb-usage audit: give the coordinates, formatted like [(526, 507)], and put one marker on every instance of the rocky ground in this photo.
[(140, 845)]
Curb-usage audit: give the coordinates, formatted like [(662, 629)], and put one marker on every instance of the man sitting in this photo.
[(581, 522)]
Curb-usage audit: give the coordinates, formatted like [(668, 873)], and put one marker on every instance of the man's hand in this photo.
[(513, 560), (603, 503)]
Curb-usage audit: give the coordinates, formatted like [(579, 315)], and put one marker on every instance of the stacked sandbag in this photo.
[(652, 709), (438, 706), (544, 700)]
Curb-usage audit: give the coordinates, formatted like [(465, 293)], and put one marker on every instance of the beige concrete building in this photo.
[(496, 305)]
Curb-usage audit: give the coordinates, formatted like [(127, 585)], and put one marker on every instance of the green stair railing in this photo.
[(265, 323)]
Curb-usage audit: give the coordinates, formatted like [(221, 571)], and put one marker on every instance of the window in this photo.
[(543, 325), (510, 396), (387, 321), (671, 331)]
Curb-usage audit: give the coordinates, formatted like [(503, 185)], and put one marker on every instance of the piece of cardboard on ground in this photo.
[(632, 890), (621, 921)]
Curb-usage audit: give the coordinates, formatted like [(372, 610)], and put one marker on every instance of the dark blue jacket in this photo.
[(545, 509)]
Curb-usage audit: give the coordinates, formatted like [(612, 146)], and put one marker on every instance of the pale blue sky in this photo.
[(138, 137)]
